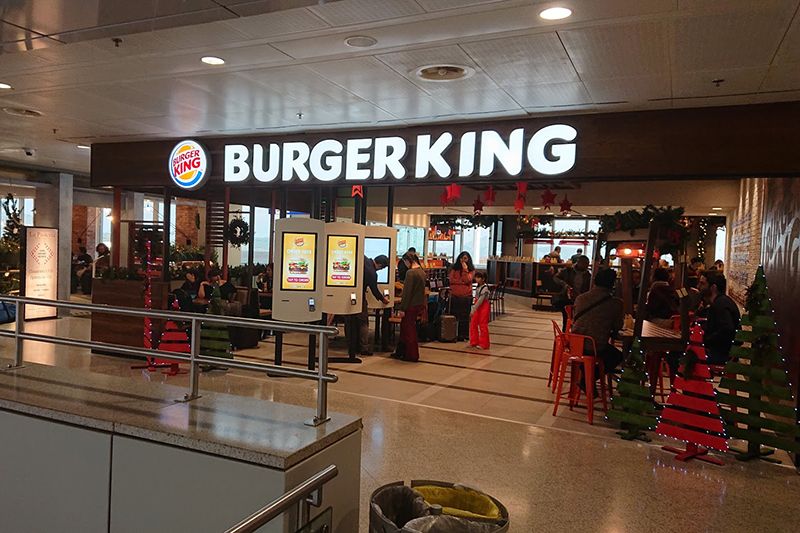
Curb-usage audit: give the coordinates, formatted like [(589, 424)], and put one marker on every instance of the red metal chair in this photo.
[(555, 358), (574, 356), (569, 309)]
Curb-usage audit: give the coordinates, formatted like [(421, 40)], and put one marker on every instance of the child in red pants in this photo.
[(479, 318)]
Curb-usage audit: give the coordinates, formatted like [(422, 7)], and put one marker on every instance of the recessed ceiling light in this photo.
[(360, 41), (212, 60), (548, 213), (5, 86), (712, 214), (555, 13), (443, 73), (84, 147), (716, 209), (404, 208), (21, 112), (536, 208)]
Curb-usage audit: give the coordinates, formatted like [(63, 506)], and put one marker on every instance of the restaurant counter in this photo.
[(525, 278)]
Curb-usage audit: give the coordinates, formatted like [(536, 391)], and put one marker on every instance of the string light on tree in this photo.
[(702, 227)]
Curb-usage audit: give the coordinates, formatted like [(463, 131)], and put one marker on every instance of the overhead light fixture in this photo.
[(712, 214), (212, 60), (360, 41), (716, 209), (536, 208), (84, 147), (549, 213), (443, 73), (5, 86), (21, 112), (404, 208), (555, 13)]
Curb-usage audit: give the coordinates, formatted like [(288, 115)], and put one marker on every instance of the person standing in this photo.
[(461, 293), (359, 327), (479, 317), (402, 268), (723, 317), (412, 305), (574, 280)]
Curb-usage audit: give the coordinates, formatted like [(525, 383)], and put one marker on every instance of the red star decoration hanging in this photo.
[(519, 204), (453, 192), (566, 205), (522, 188), (477, 206), (444, 199), (489, 195), (548, 198)]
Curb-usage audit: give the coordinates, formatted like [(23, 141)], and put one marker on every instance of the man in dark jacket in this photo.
[(599, 315), (359, 327), (723, 317), (574, 280), (401, 266)]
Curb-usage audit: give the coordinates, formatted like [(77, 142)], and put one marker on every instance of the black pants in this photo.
[(611, 356), (460, 307)]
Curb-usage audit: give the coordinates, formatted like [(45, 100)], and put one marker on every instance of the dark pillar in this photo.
[(116, 227), (167, 225), (390, 207)]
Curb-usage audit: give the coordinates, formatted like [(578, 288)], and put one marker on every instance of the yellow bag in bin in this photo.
[(460, 502)]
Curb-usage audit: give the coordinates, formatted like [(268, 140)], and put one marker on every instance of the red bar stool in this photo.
[(555, 358), (569, 309), (574, 356)]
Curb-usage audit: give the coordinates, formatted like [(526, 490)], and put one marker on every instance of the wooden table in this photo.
[(654, 337)]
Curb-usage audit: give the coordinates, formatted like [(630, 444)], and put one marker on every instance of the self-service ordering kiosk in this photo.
[(299, 276), (382, 240)]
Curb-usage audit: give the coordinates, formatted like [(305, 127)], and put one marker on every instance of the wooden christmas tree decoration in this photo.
[(761, 376), (173, 339), (214, 338), (633, 406), (692, 414)]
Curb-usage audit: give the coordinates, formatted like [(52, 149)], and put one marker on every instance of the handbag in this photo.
[(8, 313)]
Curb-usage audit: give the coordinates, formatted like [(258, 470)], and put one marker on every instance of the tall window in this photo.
[(408, 237), (104, 233), (721, 243), (26, 205), (476, 242), (261, 236)]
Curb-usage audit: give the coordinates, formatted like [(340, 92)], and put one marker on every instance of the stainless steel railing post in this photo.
[(18, 342), (322, 384), (194, 371)]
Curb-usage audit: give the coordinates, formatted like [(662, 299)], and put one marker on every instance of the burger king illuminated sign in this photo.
[(188, 164)]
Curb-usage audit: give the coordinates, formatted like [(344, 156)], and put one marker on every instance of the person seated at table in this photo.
[(662, 300), (577, 255), (190, 283), (83, 270), (723, 317), (573, 280), (693, 271), (103, 261), (719, 265), (226, 288), (555, 255), (599, 315)]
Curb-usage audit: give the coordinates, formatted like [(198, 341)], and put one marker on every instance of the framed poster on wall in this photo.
[(39, 270), (342, 261), (298, 262)]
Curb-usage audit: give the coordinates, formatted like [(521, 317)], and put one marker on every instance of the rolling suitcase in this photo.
[(448, 326)]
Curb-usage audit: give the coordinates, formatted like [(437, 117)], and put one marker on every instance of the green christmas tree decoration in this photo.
[(633, 406), (762, 415), (214, 338)]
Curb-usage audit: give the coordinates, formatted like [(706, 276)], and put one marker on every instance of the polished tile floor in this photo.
[(484, 418)]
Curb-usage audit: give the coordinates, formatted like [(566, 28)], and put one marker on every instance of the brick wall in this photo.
[(84, 227), (746, 229), (185, 224)]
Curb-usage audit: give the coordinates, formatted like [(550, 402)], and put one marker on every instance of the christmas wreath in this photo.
[(238, 232)]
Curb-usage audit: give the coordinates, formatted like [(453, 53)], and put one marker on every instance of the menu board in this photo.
[(375, 246), (41, 270), (342, 261), (298, 260)]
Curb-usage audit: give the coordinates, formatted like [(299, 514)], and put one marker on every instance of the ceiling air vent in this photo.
[(442, 73), (21, 112)]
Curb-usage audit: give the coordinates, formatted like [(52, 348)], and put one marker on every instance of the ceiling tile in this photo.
[(414, 107), (737, 81), (737, 39), (782, 78), (634, 89), (300, 84), (712, 101), (478, 101), (554, 94), (789, 51), (611, 51), (441, 5), (201, 35), (347, 12), (367, 78), (278, 23), (523, 60)]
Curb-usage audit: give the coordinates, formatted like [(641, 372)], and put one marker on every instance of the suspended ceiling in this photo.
[(288, 68)]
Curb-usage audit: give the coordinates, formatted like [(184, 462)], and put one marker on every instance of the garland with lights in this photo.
[(670, 221), (457, 223), (238, 232), (760, 374), (633, 407), (702, 226), (693, 414)]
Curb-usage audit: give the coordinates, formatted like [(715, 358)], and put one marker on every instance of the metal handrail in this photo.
[(195, 358), (298, 495)]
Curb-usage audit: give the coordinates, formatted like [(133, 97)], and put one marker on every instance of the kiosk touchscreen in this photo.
[(297, 287), (381, 240), (343, 290)]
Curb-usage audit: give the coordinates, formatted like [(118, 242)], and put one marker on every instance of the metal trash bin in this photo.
[(435, 507)]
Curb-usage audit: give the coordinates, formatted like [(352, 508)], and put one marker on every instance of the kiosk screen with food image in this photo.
[(342, 261), (375, 246), (298, 260)]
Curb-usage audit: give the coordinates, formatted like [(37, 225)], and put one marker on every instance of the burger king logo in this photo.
[(342, 243), (188, 163), (299, 241)]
